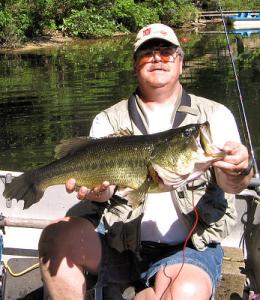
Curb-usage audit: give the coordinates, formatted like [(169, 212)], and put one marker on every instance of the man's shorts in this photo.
[(125, 268), (210, 260)]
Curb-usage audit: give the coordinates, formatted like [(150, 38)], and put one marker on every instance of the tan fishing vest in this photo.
[(216, 209)]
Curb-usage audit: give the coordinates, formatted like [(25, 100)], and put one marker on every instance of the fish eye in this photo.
[(188, 132)]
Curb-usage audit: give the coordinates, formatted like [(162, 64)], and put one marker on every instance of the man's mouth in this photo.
[(157, 68)]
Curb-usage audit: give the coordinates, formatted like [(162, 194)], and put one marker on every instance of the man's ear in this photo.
[(181, 64), (135, 67)]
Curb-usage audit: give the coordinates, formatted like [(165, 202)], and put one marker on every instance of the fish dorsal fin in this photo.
[(72, 145), (122, 132), (75, 144)]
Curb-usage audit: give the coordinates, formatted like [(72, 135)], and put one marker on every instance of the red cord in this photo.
[(185, 243), (187, 238)]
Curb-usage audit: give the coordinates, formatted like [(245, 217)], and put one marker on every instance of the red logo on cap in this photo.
[(163, 32), (147, 31)]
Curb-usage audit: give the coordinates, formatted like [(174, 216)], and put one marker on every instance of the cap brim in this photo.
[(154, 36)]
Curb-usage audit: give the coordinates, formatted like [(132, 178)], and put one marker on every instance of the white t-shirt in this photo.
[(162, 221)]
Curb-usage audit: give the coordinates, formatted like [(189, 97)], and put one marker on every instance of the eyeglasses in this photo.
[(166, 54)]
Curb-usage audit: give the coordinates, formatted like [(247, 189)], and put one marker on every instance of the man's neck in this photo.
[(155, 97)]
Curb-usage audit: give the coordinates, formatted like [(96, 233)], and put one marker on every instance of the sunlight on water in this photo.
[(51, 94)]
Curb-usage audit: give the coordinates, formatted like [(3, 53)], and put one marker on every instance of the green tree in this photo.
[(133, 15), (88, 23), (22, 19)]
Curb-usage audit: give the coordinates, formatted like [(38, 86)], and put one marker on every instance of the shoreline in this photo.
[(43, 41), (58, 39)]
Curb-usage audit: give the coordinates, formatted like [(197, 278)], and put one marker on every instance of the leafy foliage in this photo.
[(88, 23), (133, 15), (173, 13), (21, 19), (228, 4), (12, 29)]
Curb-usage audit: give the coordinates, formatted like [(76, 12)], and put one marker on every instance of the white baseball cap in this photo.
[(155, 31)]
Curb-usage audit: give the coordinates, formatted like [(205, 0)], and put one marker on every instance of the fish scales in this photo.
[(143, 163), (113, 159)]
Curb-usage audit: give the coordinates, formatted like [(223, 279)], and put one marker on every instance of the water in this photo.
[(52, 94)]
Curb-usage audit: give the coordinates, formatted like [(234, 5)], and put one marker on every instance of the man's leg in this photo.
[(66, 247), (191, 283)]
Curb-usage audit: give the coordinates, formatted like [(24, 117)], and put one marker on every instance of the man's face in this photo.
[(157, 63)]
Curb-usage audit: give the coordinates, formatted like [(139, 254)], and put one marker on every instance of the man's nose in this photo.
[(156, 56)]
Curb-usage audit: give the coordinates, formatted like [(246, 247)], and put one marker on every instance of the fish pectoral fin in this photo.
[(153, 174), (136, 197)]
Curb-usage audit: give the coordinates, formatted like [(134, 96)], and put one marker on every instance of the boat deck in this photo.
[(20, 242)]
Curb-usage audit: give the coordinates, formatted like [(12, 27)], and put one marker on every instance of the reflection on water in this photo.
[(51, 94)]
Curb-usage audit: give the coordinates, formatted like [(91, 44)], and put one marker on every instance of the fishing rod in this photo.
[(241, 104)]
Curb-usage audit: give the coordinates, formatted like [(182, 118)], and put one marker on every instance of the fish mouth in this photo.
[(205, 141), (168, 180), (204, 153)]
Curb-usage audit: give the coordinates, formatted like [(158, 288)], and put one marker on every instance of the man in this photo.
[(145, 246)]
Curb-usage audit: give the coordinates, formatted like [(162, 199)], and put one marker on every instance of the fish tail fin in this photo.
[(23, 187)]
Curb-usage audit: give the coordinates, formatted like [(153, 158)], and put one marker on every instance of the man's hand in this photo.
[(101, 193), (229, 170)]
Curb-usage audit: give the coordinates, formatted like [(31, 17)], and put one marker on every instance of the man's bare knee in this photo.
[(73, 239), (146, 294)]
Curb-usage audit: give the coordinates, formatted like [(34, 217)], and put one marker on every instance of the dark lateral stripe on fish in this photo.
[(124, 161)]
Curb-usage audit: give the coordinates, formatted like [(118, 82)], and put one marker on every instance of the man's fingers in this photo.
[(86, 193), (83, 191), (70, 185), (230, 147), (101, 188)]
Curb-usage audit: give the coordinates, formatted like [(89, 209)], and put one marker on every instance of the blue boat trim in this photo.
[(244, 16), (244, 32)]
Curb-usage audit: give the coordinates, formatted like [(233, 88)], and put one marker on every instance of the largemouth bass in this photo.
[(144, 163)]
